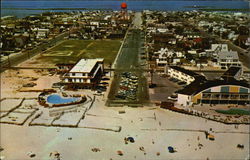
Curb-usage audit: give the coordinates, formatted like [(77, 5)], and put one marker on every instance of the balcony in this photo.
[(67, 75)]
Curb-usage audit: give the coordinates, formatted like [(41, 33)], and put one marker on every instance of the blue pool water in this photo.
[(57, 99)]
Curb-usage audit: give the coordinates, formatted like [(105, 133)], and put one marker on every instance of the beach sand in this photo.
[(153, 128)]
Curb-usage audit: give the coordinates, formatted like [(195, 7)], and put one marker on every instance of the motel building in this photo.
[(182, 74), (86, 74), (229, 89), (215, 92)]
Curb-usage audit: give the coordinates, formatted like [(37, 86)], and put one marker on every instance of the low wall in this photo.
[(204, 115)]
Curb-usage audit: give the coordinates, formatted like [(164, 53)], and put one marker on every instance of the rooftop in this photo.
[(196, 86), (231, 72), (228, 55), (200, 83), (188, 72), (85, 65)]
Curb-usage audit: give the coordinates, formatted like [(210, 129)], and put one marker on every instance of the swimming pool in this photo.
[(57, 99), (234, 111)]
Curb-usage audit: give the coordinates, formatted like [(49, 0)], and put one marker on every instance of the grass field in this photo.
[(70, 51)]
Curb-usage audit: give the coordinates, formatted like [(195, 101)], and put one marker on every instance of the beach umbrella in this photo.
[(119, 153), (211, 137), (170, 149), (131, 139)]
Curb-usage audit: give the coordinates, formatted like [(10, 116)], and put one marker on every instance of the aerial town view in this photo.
[(125, 80)]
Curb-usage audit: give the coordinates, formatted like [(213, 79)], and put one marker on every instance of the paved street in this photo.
[(23, 56), (129, 61)]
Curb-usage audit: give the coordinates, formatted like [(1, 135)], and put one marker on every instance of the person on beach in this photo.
[(125, 140)]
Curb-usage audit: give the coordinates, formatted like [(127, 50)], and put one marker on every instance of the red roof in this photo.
[(197, 40)]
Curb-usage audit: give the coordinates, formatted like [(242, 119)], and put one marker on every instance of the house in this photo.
[(162, 56), (204, 24), (85, 74), (228, 58), (162, 60), (94, 23), (215, 48), (176, 60), (42, 33), (248, 42), (232, 36), (192, 35), (219, 47), (179, 54)]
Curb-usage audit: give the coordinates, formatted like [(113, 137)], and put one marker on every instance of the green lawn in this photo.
[(70, 51), (234, 111)]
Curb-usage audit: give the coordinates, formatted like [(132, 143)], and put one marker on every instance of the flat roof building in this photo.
[(85, 74), (183, 75)]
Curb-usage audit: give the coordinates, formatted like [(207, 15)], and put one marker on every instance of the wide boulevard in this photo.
[(129, 60)]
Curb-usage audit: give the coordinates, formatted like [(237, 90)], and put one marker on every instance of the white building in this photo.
[(215, 49), (227, 59), (85, 74), (162, 57), (204, 23), (181, 74), (42, 33), (219, 47), (94, 23)]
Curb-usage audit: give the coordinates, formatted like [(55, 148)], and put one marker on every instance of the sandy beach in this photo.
[(153, 128)]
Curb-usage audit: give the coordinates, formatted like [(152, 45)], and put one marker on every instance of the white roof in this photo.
[(85, 65), (228, 55), (221, 47)]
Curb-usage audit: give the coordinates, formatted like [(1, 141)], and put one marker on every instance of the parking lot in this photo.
[(165, 87), (128, 86)]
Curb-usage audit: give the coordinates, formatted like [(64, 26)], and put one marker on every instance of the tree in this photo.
[(179, 30), (210, 30), (189, 56)]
